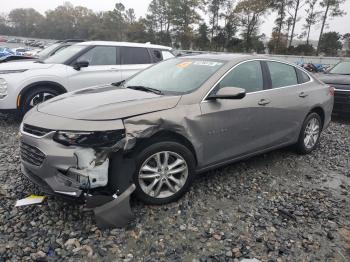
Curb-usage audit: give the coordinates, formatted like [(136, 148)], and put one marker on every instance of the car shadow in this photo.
[(342, 119)]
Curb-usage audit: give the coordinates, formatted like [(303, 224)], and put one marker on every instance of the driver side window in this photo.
[(100, 55), (247, 75)]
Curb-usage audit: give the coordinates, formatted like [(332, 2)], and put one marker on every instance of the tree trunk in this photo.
[(277, 43), (294, 22), (308, 35), (322, 28)]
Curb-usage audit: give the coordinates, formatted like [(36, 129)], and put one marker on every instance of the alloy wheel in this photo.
[(40, 98), (312, 132), (163, 174)]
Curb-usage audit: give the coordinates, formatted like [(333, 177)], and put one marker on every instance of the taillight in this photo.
[(331, 91)]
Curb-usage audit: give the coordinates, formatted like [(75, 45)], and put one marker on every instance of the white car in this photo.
[(26, 84)]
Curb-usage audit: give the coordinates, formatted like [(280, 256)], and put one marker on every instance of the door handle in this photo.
[(303, 94), (264, 102)]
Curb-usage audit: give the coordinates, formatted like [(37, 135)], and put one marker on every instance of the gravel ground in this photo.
[(276, 207)]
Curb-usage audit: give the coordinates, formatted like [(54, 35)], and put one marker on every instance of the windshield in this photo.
[(342, 68), (62, 56), (46, 52), (176, 76)]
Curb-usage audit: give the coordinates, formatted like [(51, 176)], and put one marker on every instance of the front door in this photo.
[(232, 128), (104, 68)]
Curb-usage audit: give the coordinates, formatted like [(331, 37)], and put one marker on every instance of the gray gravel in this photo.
[(276, 207)]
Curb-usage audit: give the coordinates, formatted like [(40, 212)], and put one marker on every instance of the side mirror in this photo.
[(80, 64), (228, 93)]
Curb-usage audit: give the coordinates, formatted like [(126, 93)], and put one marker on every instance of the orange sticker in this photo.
[(184, 64)]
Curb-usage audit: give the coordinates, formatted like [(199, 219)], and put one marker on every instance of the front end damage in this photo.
[(99, 177)]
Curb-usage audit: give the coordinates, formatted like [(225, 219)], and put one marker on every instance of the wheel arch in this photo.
[(58, 87), (319, 110), (166, 135)]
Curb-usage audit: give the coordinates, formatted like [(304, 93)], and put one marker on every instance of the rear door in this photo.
[(104, 68), (133, 60), (287, 103)]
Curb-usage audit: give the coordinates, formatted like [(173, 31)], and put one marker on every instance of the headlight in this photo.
[(89, 139), (3, 88), (12, 71)]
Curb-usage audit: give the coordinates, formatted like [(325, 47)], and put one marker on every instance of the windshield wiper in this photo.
[(120, 83), (146, 89)]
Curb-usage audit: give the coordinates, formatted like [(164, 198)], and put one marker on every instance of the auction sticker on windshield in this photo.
[(207, 63), (184, 64)]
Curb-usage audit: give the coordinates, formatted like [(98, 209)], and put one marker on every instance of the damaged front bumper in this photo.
[(72, 172)]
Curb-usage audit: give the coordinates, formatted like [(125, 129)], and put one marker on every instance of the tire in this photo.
[(302, 146), (30, 96), (147, 156)]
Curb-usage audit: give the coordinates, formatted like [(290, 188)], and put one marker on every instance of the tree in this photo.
[(281, 39), (202, 40), (346, 39), (311, 18), (281, 7), (4, 28), (304, 49), (294, 7), (249, 13), (332, 9), (214, 7), (185, 15), (330, 43), (25, 21)]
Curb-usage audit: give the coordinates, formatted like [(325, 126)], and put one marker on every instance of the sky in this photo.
[(340, 24)]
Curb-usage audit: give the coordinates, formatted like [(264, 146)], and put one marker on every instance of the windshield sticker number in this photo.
[(207, 63)]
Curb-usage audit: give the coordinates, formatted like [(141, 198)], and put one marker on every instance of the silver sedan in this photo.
[(166, 124)]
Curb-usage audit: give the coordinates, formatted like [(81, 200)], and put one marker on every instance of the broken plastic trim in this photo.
[(116, 213)]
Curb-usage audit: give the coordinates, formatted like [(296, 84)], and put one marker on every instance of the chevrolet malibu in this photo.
[(166, 124)]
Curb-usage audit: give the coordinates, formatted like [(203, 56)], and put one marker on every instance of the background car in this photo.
[(5, 51), (25, 84), (170, 122), (339, 77)]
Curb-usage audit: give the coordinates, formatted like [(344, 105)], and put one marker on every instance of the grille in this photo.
[(36, 131), (32, 155)]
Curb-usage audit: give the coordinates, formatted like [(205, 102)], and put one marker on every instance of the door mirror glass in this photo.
[(228, 93), (78, 65)]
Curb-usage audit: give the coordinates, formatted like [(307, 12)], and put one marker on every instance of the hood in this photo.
[(335, 79), (15, 65), (106, 103)]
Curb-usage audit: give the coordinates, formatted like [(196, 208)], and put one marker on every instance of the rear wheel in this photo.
[(310, 133), (164, 172), (36, 96)]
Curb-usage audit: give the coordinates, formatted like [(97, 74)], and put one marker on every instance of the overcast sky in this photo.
[(341, 24)]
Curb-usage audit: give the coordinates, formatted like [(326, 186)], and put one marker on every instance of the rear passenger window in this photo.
[(282, 74), (247, 75), (135, 55), (100, 55), (303, 77)]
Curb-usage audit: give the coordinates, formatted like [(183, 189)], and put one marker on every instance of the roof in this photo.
[(110, 43), (226, 57)]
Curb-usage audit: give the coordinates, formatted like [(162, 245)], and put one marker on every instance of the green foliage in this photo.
[(231, 25), (330, 43)]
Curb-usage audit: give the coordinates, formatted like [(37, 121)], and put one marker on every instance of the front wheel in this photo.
[(164, 172), (310, 133), (36, 96)]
